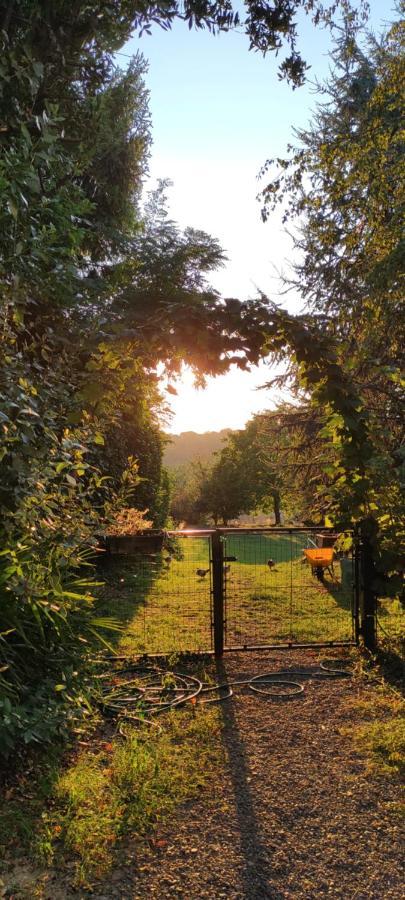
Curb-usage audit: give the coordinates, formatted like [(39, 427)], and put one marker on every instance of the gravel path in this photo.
[(293, 814)]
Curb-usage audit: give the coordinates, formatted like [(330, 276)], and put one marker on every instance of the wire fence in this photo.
[(274, 595), (391, 624), (164, 597)]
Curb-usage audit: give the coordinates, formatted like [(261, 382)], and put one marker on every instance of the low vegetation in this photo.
[(81, 808), (380, 734), (384, 743)]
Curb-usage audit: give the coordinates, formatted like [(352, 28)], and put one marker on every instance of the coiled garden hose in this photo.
[(151, 691)]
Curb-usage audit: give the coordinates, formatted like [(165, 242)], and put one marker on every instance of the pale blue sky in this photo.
[(218, 112)]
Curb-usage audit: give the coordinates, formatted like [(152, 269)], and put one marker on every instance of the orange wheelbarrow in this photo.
[(321, 558)]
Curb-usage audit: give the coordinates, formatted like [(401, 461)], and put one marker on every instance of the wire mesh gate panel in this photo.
[(273, 595), (233, 589), (168, 595)]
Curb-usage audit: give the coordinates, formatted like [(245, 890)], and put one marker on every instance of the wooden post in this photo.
[(218, 592), (368, 597), (357, 584)]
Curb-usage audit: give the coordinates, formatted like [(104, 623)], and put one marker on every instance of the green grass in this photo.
[(164, 607), (286, 603), (384, 743), (132, 785)]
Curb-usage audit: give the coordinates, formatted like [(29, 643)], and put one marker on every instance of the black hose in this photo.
[(152, 691)]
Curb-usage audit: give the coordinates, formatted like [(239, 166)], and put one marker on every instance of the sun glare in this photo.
[(227, 401)]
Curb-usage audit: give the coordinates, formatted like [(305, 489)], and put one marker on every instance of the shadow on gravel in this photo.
[(256, 875)]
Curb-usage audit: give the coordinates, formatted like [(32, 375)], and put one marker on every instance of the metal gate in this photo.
[(273, 595), (234, 588)]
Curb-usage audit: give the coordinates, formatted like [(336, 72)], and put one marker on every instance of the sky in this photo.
[(218, 113)]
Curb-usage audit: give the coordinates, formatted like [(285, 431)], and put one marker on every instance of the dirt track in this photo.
[(293, 815)]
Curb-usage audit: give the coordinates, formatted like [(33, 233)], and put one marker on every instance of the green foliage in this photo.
[(240, 480), (85, 275), (62, 214), (343, 182), (104, 28), (222, 490), (186, 482), (46, 713)]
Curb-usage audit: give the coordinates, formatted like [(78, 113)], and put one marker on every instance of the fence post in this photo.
[(218, 592), (357, 582), (368, 597)]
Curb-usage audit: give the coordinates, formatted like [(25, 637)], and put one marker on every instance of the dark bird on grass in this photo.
[(202, 572), (272, 566)]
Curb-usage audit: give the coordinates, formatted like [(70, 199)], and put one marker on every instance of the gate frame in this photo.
[(366, 620), (217, 561)]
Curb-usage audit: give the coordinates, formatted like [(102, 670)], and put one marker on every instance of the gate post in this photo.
[(368, 597), (218, 591), (357, 553)]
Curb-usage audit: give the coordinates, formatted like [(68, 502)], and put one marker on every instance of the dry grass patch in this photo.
[(384, 744)]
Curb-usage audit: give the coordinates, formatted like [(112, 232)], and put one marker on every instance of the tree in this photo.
[(258, 468), (222, 494), (78, 388), (302, 457), (242, 478), (344, 183), (97, 29)]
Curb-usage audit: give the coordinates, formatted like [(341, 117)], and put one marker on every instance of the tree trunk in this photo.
[(277, 508)]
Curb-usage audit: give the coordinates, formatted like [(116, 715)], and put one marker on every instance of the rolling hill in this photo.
[(188, 446)]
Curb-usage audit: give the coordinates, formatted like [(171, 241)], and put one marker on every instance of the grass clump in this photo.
[(381, 735), (90, 819), (133, 784), (384, 743)]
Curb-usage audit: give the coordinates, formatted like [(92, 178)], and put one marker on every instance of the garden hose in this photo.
[(151, 691)]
